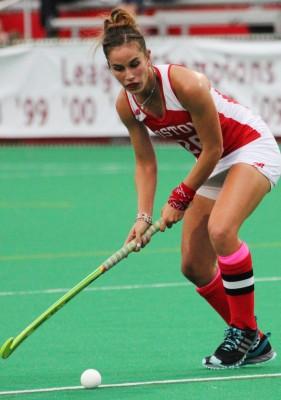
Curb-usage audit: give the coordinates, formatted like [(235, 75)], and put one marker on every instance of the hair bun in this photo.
[(120, 28), (119, 18)]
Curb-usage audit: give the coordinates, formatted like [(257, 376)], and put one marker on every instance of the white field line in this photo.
[(165, 285), (147, 383)]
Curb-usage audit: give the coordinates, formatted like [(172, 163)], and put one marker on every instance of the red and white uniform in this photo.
[(241, 129)]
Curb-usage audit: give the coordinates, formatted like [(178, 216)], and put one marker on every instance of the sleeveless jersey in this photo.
[(239, 125)]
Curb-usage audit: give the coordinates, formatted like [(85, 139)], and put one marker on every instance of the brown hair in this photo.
[(119, 28)]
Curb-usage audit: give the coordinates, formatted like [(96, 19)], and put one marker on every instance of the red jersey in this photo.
[(239, 125)]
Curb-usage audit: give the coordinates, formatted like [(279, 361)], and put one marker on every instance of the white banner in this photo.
[(66, 89)]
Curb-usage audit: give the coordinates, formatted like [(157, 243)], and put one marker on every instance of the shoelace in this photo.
[(256, 344), (232, 339)]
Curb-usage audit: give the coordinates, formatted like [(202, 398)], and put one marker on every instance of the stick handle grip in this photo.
[(128, 248)]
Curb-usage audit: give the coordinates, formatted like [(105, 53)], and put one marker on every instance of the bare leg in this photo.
[(199, 258), (242, 191), (198, 255)]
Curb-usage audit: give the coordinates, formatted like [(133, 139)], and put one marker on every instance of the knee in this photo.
[(221, 234), (197, 271), (189, 270)]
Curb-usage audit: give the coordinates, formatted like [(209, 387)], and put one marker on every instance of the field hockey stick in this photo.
[(11, 344)]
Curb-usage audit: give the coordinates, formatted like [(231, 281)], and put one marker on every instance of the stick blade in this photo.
[(6, 349)]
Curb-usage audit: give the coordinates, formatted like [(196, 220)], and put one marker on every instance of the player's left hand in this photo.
[(170, 216)]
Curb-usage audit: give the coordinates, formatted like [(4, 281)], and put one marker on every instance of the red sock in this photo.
[(215, 295), (238, 280)]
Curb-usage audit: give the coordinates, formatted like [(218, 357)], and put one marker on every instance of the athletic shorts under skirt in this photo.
[(263, 154)]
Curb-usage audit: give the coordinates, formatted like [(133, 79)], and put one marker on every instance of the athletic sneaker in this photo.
[(233, 350), (260, 352)]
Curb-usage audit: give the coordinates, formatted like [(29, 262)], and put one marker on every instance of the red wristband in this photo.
[(181, 196)]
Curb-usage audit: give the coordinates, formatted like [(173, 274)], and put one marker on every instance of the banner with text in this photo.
[(66, 89)]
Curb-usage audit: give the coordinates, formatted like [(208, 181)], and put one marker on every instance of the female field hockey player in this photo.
[(238, 162)]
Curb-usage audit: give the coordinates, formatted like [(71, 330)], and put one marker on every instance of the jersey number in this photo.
[(192, 144)]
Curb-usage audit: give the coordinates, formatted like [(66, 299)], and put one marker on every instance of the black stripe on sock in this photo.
[(237, 292), (238, 277)]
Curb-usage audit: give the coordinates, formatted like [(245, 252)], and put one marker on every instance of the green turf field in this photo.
[(63, 211)]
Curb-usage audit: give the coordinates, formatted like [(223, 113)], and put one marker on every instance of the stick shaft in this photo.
[(105, 266)]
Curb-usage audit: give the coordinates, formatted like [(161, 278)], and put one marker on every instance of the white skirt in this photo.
[(263, 154)]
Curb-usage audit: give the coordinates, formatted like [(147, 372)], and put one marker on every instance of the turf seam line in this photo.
[(91, 254)]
